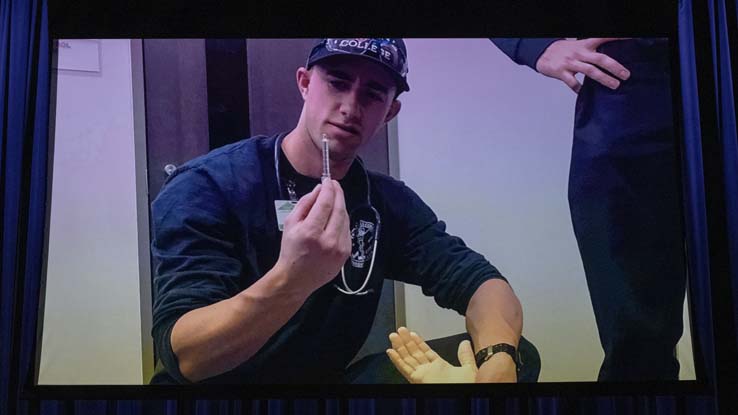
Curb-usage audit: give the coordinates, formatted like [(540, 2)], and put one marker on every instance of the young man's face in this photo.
[(347, 98)]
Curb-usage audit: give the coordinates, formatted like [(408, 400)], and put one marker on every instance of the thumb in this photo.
[(466, 354)]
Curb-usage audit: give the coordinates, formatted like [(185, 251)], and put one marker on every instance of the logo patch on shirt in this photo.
[(362, 239)]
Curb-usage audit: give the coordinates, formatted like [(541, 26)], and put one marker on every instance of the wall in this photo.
[(92, 321)]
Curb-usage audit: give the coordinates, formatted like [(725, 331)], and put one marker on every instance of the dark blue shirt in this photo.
[(215, 233), (524, 51)]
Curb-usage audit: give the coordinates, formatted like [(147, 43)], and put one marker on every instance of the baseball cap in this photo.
[(391, 53)]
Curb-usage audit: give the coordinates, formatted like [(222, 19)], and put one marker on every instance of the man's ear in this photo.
[(303, 81), (394, 109)]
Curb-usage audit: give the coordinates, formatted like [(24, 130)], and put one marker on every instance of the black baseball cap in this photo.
[(391, 53)]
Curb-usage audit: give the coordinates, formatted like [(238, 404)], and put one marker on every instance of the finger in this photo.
[(595, 42), (303, 206), (405, 370), (415, 351), (400, 344), (596, 74), (321, 210), (404, 334), (607, 63), (338, 222), (399, 347), (466, 354), (411, 346), (423, 346), (570, 81)]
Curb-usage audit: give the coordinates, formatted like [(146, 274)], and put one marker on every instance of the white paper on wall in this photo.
[(78, 55)]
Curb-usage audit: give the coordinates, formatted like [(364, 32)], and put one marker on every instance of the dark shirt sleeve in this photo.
[(441, 264), (523, 51), (194, 253)]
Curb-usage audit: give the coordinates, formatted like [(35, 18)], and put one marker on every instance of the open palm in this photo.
[(418, 363)]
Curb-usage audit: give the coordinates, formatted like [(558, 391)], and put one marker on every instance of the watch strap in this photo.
[(484, 354)]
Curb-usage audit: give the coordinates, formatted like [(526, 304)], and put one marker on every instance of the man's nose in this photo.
[(351, 106)]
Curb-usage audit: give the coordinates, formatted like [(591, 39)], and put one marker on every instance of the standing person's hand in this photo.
[(565, 58), (316, 241)]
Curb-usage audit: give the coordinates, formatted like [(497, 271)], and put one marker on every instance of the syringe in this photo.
[(326, 160)]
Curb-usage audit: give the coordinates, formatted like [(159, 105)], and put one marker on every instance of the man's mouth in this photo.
[(348, 128)]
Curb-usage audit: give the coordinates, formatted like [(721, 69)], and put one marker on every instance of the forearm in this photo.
[(493, 316), (214, 339)]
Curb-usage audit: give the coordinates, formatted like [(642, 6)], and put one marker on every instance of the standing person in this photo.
[(624, 194), (247, 292)]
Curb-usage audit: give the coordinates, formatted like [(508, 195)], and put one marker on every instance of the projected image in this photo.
[(364, 211)]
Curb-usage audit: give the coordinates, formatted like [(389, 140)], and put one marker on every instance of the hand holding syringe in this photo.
[(316, 241)]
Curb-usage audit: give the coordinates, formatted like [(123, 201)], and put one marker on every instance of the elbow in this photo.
[(188, 369), (187, 359)]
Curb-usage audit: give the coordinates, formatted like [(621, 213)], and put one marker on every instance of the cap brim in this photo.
[(324, 53)]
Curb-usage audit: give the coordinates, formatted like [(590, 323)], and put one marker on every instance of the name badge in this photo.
[(283, 208)]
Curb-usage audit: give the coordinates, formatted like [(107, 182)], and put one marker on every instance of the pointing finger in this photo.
[(321, 209), (338, 222)]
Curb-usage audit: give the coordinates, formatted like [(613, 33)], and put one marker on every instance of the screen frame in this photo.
[(702, 386)]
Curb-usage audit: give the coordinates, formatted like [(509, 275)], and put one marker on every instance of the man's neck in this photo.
[(306, 158)]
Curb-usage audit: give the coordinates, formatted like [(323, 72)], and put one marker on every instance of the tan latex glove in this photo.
[(418, 363)]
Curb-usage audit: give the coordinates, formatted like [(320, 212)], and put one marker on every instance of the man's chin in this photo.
[(344, 158), (345, 147)]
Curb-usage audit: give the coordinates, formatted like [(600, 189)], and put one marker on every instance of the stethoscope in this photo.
[(293, 197)]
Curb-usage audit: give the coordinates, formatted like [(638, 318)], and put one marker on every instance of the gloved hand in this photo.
[(418, 363)]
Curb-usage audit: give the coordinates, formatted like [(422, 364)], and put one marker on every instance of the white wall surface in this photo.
[(92, 322), (487, 144)]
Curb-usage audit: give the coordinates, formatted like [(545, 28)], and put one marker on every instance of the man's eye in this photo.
[(376, 96), (338, 84)]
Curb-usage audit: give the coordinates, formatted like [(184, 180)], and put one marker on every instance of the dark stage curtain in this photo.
[(710, 162), (24, 107)]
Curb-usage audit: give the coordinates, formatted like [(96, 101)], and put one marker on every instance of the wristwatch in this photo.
[(484, 354)]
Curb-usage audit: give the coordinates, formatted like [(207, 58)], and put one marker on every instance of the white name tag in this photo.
[(283, 208)]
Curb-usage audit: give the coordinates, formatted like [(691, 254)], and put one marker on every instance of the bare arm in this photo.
[(316, 242), (214, 339), (494, 315)]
